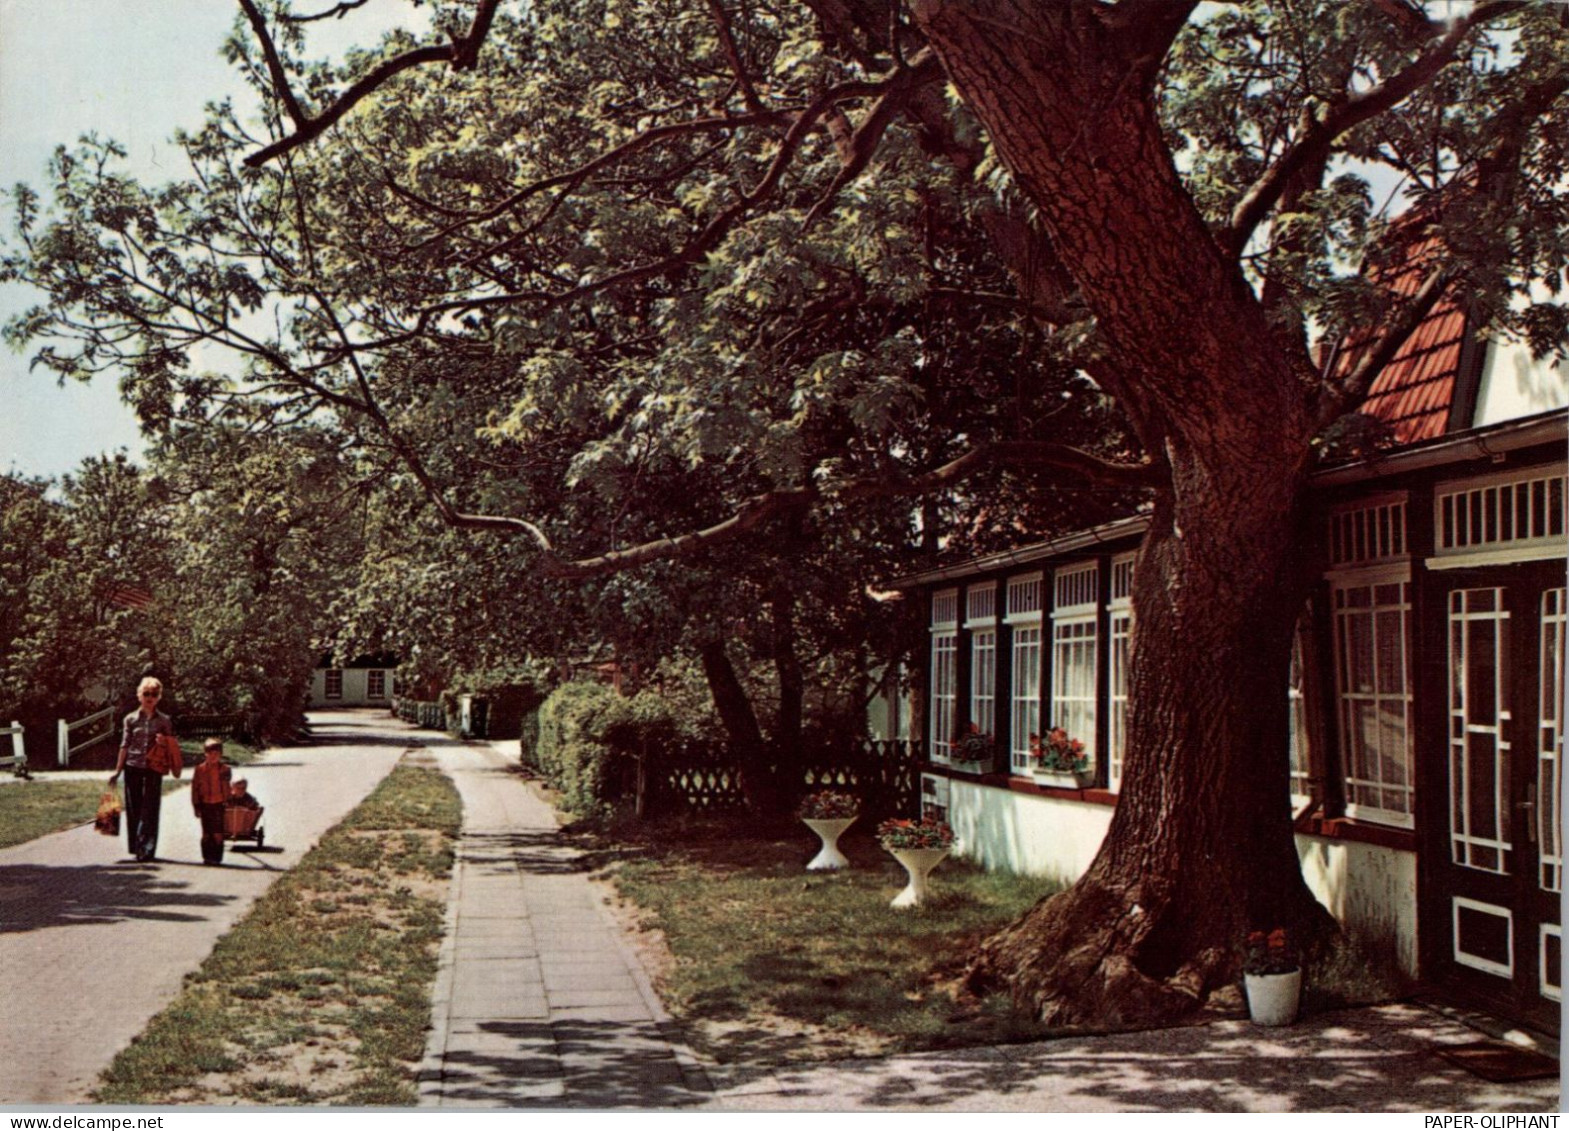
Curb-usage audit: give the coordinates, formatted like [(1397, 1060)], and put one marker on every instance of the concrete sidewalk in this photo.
[(1380, 1059), (93, 945), (538, 1002)]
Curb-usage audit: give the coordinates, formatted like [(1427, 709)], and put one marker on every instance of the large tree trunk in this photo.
[(1200, 848)]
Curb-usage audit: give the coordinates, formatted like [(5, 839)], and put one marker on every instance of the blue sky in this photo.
[(132, 70)]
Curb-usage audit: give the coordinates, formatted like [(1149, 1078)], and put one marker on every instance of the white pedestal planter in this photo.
[(1273, 998), (917, 862), (828, 830)]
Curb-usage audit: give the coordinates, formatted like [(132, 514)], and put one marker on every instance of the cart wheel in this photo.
[(261, 837)]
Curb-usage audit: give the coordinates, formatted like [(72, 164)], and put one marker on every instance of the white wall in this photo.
[(1025, 833), (1369, 889), (355, 682), (1514, 384)]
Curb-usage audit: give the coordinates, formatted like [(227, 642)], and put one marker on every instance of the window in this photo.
[(1372, 531), (945, 675), (1024, 618), (1301, 790), (1372, 630), (1502, 518), (334, 683), (982, 624), (1121, 629), (375, 684), (1073, 652)]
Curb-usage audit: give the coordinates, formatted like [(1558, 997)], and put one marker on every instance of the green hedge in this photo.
[(588, 736)]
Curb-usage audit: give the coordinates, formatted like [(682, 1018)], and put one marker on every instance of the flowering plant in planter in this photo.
[(1059, 753), (827, 805), (1273, 952), (973, 746), (928, 832)]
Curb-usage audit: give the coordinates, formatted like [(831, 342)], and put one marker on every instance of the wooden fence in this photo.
[(17, 759), (421, 712), (63, 745), (235, 724)]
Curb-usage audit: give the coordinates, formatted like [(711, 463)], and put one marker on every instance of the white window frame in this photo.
[(1025, 617), (332, 684), (1347, 700), (943, 703), (375, 684), (1499, 519), (1075, 648), (981, 621), (1120, 632)]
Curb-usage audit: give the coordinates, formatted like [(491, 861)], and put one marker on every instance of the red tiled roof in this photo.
[(130, 597), (1414, 393)]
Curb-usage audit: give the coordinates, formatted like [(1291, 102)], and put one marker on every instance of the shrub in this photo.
[(584, 728)]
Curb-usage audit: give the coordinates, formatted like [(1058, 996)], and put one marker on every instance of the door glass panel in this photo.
[(1550, 731), (1479, 754)]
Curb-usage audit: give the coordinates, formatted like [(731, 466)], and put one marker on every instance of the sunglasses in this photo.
[(149, 695)]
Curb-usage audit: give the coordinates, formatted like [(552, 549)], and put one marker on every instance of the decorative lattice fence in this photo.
[(707, 779)]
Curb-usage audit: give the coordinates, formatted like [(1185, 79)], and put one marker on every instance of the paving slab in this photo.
[(93, 944), (539, 1001)]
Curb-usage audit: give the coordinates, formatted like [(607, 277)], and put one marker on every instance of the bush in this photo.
[(584, 728), (587, 736)]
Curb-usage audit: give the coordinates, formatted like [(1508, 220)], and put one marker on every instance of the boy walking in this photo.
[(209, 794)]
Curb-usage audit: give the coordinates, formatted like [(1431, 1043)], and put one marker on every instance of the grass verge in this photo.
[(31, 809), (320, 995), (773, 964)]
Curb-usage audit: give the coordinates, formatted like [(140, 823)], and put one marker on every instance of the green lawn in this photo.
[(773, 963), (320, 995)]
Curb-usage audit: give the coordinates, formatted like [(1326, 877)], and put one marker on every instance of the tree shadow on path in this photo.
[(35, 897)]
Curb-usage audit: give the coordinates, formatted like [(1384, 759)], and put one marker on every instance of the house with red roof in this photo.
[(1427, 696)]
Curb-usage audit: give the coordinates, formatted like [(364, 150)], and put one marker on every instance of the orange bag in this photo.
[(108, 819)]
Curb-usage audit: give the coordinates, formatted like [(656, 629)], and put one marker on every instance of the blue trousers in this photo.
[(143, 797)]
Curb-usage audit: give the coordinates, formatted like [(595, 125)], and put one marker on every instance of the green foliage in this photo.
[(586, 730)]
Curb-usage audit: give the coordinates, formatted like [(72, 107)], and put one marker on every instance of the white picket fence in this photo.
[(64, 747), (18, 756)]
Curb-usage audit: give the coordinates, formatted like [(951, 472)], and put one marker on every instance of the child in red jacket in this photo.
[(209, 795)]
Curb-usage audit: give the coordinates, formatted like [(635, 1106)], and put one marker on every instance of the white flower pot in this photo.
[(1273, 998), (1060, 779), (917, 862), (828, 830)]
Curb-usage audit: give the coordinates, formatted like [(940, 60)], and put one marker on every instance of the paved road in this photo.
[(93, 945)]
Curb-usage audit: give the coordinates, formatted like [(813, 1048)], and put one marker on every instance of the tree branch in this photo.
[(462, 54), (337, 11), (280, 77), (863, 143), (1331, 123), (737, 63), (787, 501)]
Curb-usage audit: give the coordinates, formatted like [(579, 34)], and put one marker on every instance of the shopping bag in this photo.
[(108, 819)]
